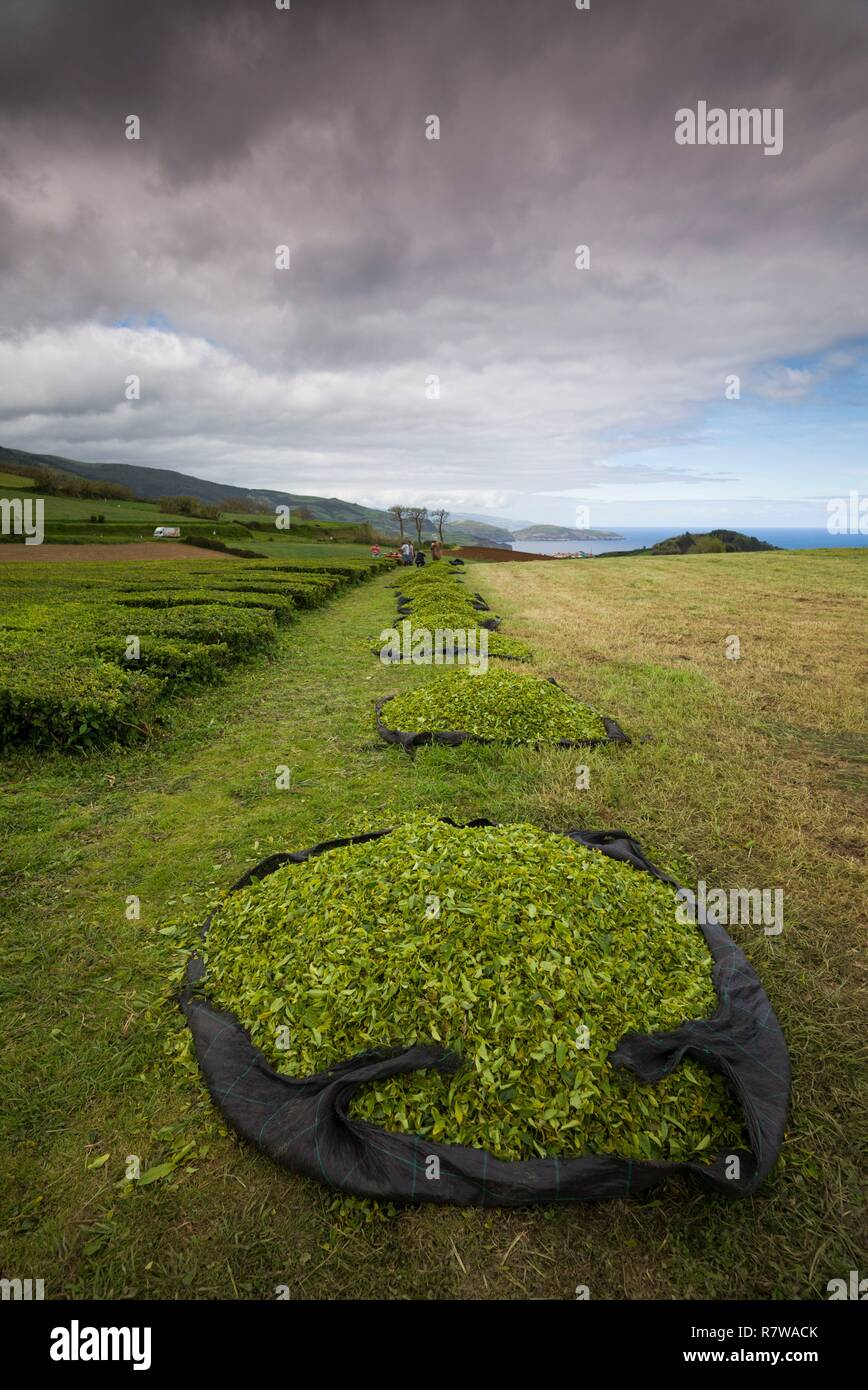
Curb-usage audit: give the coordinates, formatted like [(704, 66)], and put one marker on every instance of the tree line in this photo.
[(56, 484)]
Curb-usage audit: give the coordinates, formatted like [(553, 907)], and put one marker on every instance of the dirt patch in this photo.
[(485, 552), (128, 552)]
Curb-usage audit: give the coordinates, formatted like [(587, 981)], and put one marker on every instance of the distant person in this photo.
[(405, 553), (375, 552), (411, 552), (436, 550), (420, 558)]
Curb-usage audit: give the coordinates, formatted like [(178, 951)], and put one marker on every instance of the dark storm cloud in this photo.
[(412, 257)]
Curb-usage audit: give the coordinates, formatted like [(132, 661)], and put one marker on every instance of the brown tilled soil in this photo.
[(487, 553), (126, 551)]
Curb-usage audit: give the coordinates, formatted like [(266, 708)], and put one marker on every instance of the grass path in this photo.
[(754, 775)]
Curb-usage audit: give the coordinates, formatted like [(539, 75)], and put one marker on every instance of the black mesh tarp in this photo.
[(304, 1125)]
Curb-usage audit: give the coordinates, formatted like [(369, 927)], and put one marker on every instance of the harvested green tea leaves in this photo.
[(528, 955), (500, 704)]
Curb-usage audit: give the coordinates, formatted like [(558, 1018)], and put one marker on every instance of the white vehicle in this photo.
[(163, 532)]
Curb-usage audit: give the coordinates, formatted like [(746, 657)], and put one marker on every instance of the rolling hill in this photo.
[(149, 484), (697, 543), (539, 531)]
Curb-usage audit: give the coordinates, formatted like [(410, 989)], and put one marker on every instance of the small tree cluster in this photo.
[(188, 506), (56, 484), (419, 517)]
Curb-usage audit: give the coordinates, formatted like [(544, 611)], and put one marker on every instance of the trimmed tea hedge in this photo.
[(60, 700), (67, 677)]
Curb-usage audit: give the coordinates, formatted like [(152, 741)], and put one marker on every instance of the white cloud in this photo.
[(409, 260)]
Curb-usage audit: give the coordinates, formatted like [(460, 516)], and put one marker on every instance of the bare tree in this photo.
[(399, 513), (418, 516), (439, 519)]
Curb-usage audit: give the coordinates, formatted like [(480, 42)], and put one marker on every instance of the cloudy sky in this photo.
[(413, 258)]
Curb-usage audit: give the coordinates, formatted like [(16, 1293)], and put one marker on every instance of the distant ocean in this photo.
[(787, 537)]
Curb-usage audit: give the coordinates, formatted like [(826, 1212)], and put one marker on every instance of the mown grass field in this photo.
[(754, 775)]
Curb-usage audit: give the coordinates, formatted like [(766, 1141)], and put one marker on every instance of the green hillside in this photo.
[(96, 519), (14, 480), (718, 542), (149, 484), (543, 532)]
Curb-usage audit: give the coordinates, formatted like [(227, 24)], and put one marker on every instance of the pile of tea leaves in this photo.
[(511, 648), (527, 954), (409, 645), (435, 599), (499, 704)]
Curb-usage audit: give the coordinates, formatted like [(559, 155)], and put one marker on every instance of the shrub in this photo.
[(242, 630), (281, 605), (70, 625), (207, 543), (194, 662), (70, 702)]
